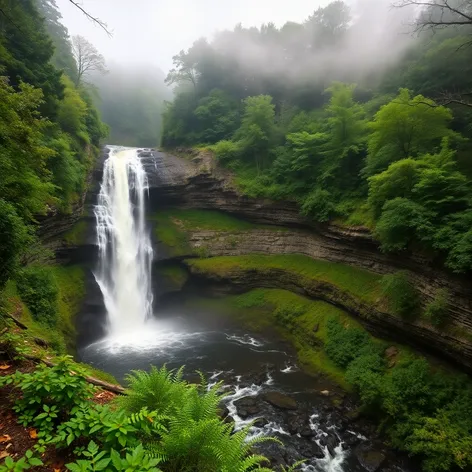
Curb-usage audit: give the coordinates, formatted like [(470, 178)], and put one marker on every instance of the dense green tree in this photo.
[(26, 50), (403, 128), (49, 129), (62, 57), (257, 132)]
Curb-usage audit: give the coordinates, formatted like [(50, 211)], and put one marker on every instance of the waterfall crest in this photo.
[(125, 251)]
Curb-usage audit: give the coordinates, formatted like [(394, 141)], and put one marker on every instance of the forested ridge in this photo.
[(376, 135), (50, 127)]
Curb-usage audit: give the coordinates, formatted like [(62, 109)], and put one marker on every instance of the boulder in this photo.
[(260, 422), (331, 442), (247, 406), (369, 457), (299, 424), (280, 400)]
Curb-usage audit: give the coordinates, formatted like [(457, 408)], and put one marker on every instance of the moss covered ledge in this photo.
[(351, 289)]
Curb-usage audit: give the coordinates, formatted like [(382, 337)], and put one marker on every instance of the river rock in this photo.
[(260, 422), (280, 400), (145, 154), (325, 393), (309, 449), (369, 457), (247, 406), (331, 442), (299, 424)]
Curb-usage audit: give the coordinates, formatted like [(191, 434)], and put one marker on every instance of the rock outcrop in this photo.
[(197, 183)]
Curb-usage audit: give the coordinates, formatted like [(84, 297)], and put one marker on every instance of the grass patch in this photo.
[(358, 282), (76, 235), (170, 233)]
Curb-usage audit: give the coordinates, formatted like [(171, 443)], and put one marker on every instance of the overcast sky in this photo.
[(155, 30)]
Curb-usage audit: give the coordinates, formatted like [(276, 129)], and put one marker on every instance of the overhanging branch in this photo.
[(95, 20)]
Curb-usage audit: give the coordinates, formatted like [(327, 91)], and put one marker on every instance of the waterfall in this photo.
[(125, 251)]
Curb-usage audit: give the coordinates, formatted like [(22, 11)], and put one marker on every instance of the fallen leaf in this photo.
[(57, 470), (5, 438), (4, 366), (33, 434), (3, 454)]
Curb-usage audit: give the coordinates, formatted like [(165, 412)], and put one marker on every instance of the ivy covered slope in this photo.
[(378, 150), (50, 136)]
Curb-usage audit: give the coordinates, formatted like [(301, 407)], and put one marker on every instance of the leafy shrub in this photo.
[(344, 344), (49, 395), (38, 289), (402, 221), (402, 296), (26, 462), (226, 151), (436, 311), (14, 236), (318, 205)]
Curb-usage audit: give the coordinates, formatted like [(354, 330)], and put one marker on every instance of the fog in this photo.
[(152, 31)]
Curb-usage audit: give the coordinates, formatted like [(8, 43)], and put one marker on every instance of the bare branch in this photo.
[(87, 58), (438, 14), (95, 20)]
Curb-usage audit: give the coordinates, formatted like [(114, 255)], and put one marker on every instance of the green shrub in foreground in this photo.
[(163, 421), (49, 395)]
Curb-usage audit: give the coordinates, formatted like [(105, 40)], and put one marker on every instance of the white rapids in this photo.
[(125, 249)]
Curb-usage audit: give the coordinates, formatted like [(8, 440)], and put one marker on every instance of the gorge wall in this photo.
[(195, 183)]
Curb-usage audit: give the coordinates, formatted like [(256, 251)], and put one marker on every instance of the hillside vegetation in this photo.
[(361, 145)]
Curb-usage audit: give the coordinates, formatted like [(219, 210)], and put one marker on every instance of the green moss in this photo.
[(358, 282), (71, 284), (98, 374), (172, 226), (170, 232), (175, 274), (76, 235), (70, 292)]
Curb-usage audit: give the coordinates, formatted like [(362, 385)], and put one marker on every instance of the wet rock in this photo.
[(369, 457), (274, 453), (280, 400), (247, 406), (145, 154), (260, 422), (309, 450), (299, 424), (351, 440), (353, 415), (331, 442)]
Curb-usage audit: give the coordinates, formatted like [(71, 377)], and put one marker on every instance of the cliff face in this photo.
[(197, 184)]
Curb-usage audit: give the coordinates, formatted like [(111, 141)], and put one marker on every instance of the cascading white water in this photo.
[(125, 249)]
